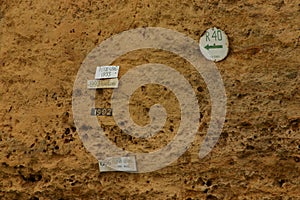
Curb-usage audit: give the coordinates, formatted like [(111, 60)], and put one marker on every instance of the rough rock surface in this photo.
[(42, 45)]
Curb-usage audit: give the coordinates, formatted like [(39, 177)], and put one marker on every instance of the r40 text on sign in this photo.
[(214, 44)]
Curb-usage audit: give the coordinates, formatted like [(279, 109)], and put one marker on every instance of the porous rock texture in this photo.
[(42, 46)]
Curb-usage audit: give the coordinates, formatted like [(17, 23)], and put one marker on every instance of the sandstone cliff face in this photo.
[(42, 45)]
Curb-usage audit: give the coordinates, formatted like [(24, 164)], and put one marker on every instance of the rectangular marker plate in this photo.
[(101, 111), (107, 72), (109, 83), (124, 164)]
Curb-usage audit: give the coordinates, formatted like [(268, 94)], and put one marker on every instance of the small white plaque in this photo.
[(124, 164), (103, 72), (214, 44), (108, 83)]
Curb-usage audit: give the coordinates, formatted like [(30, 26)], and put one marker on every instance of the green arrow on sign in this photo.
[(213, 46)]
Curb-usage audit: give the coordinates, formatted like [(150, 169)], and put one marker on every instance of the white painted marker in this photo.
[(103, 72), (108, 83), (214, 44), (124, 164)]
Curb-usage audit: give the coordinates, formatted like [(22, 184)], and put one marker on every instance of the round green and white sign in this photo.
[(214, 44)]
